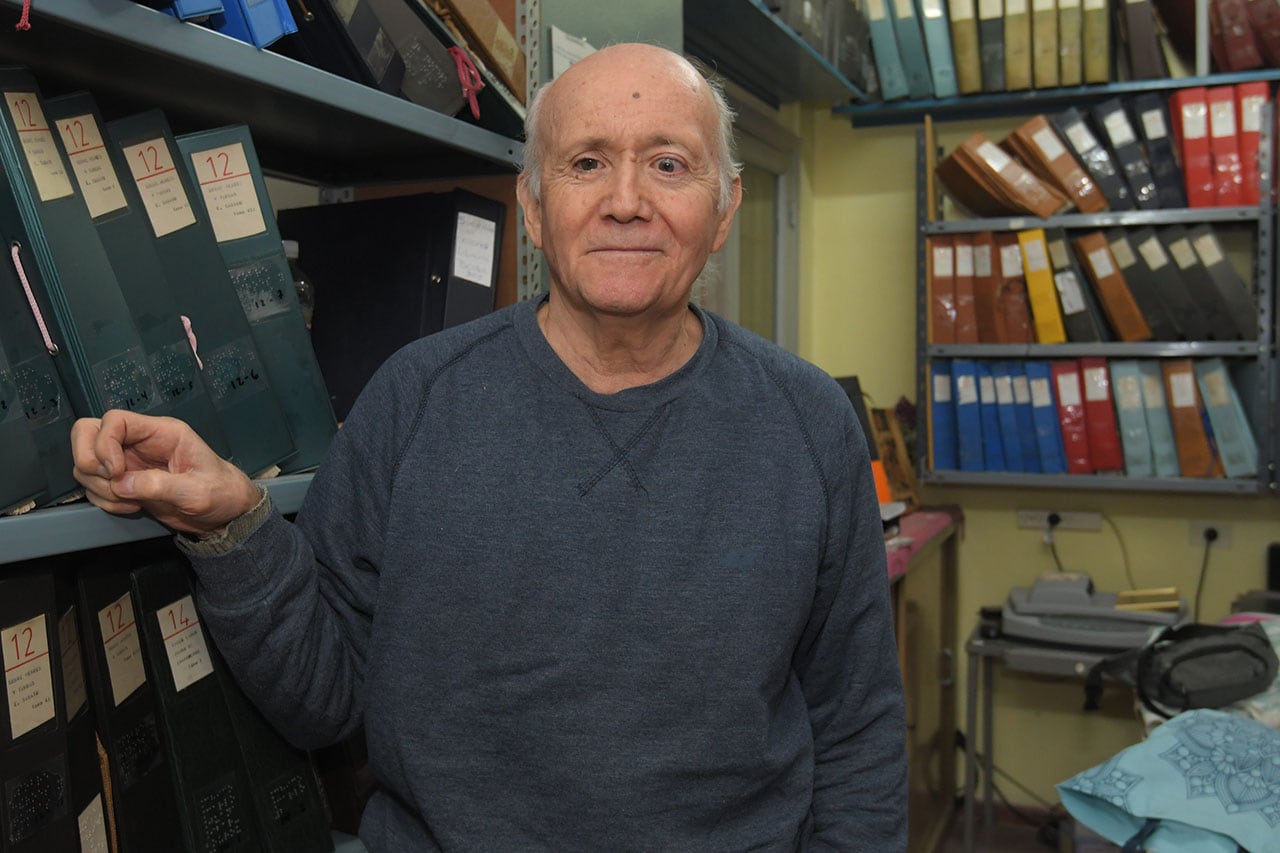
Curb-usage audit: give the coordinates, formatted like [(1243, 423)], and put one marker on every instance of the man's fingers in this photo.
[(116, 507), (84, 452), (121, 429)]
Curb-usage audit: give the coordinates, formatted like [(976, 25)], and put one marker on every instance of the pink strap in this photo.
[(24, 23), (469, 77), (31, 298), (191, 336)]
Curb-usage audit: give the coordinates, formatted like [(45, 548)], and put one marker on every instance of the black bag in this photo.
[(1190, 666)]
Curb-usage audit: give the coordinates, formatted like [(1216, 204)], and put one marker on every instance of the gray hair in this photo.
[(725, 147)]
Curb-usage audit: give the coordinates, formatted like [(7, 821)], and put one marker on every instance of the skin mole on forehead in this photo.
[(635, 94)]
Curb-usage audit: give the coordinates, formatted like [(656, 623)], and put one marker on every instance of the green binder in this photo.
[(45, 405), (23, 482), (99, 354), (224, 164), (234, 373), (116, 210)]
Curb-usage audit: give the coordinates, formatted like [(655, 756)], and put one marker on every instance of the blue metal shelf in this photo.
[(1107, 482)]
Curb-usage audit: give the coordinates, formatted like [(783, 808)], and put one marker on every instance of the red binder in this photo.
[(1224, 146), (1072, 415), (1013, 307), (1264, 19), (1189, 114), (1232, 41), (942, 289), (967, 331), (1105, 451), (1249, 100), (986, 285)]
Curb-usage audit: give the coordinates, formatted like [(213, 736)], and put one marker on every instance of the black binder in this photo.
[(1113, 119), (35, 814), (1094, 156), (23, 483), (251, 415), (1144, 286), (1151, 116), (1200, 285), (1160, 267), (402, 250), (116, 210), (1082, 318), (210, 782), (1237, 297), (143, 806), (352, 44)]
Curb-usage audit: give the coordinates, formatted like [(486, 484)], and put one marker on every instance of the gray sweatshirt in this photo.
[(651, 620)]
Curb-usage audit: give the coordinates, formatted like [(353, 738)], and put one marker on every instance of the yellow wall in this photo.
[(857, 315)]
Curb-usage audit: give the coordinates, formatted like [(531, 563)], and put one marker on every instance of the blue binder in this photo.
[(1010, 441), (988, 410), (1164, 452), (1026, 425), (915, 61), (937, 40), (964, 377), (1126, 388), (1044, 412), (193, 10), (1231, 429), (884, 45), (943, 417), (257, 22)]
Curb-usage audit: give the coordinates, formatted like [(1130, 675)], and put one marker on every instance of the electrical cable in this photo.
[(1053, 549), (1124, 552), (1053, 520), (1209, 536)]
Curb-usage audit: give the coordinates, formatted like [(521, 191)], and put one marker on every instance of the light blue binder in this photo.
[(964, 379), (1231, 430), (1164, 453), (1126, 388), (884, 45), (1044, 413), (937, 41), (1006, 412), (942, 417), (989, 414), (915, 61)]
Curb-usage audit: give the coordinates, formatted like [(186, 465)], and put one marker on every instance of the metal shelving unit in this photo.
[(1265, 396)]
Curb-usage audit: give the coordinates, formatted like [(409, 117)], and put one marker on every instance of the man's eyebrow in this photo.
[(604, 143)]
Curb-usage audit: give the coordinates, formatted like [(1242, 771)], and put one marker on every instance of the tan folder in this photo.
[(986, 181), (1195, 454)]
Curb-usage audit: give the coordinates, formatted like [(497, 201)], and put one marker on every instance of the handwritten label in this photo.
[(229, 194), (28, 677), (474, 243), (163, 196), (38, 146), (184, 643), (91, 162), (123, 648)]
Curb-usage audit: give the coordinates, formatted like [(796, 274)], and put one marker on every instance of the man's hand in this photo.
[(129, 462)]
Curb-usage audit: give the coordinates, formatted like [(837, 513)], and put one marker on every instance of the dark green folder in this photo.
[(23, 482), (224, 164), (99, 353), (116, 211), (234, 373), (45, 404)]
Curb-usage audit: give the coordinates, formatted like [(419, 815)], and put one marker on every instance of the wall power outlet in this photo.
[(1038, 519)]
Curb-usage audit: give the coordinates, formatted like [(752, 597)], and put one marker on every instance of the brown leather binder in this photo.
[(986, 181), (942, 289), (986, 286), (1014, 323), (1195, 452), (1110, 287), (1146, 59), (966, 303), (1039, 147)]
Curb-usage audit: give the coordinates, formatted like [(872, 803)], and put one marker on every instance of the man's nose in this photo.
[(628, 196)]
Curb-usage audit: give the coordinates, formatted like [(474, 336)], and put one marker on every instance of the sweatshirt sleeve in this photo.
[(848, 668), (291, 605)]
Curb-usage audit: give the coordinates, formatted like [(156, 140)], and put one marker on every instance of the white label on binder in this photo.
[(1118, 128), (474, 243), (91, 162), (994, 157), (1095, 4), (1153, 124), (1123, 253), (941, 388), (1100, 260), (987, 389), (1222, 119), (1095, 383), (961, 10), (1041, 395), (1049, 144), (184, 643), (1153, 253), (1128, 393), (1152, 392), (964, 261), (93, 828), (1021, 389), (1043, 5), (875, 10), (982, 260), (1058, 253), (1251, 113), (123, 648), (931, 8), (1068, 389), (28, 678), (966, 389), (1182, 390), (1037, 260), (226, 184), (160, 186), (1081, 139), (942, 265), (1004, 390), (72, 668), (1069, 292), (990, 9), (38, 146), (1010, 261), (1215, 388), (1195, 120), (903, 8), (1015, 7), (1208, 250), (1182, 253)]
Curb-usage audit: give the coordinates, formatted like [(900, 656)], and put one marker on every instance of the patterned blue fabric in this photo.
[(1211, 779)]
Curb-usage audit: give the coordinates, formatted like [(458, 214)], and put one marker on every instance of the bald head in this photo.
[(625, 63)]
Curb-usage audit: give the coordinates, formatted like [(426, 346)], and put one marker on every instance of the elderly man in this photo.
[(599, 571)]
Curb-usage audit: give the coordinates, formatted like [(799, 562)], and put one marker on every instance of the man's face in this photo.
[(628, 213)]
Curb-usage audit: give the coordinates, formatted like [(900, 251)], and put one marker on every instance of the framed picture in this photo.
[(892, 449)]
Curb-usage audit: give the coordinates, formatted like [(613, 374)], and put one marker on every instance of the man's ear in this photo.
[(531, 208), (726, 215)]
